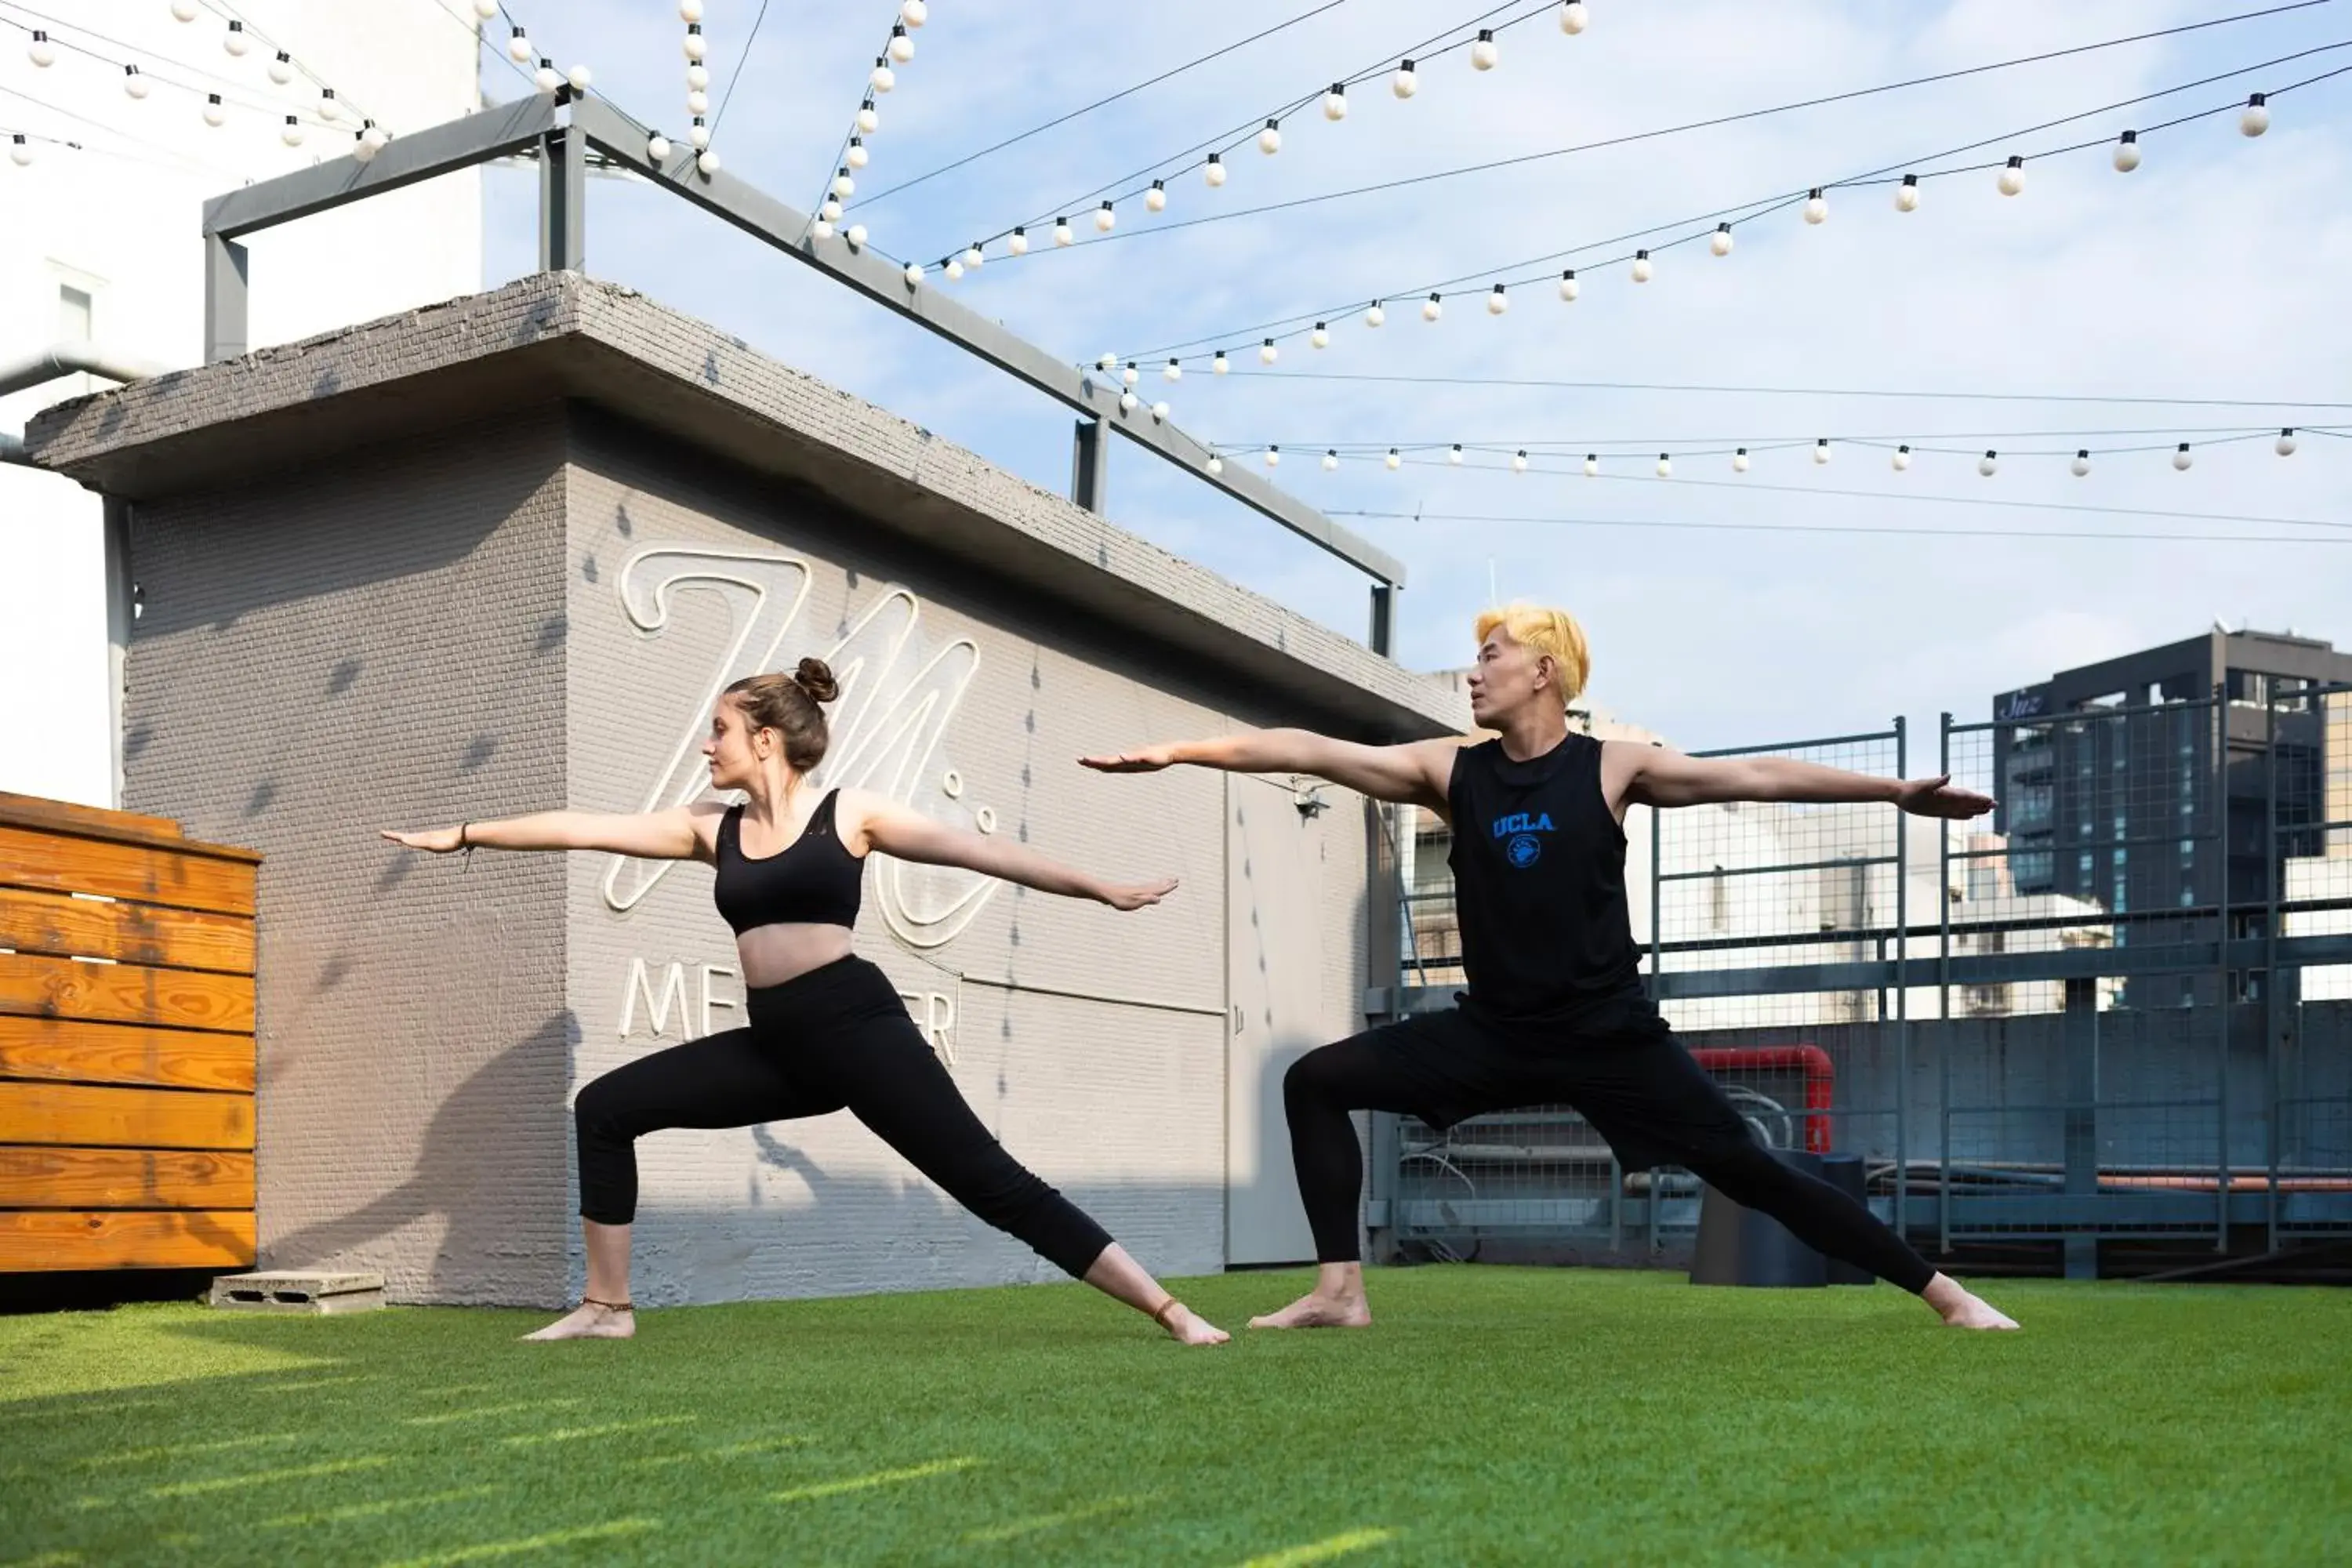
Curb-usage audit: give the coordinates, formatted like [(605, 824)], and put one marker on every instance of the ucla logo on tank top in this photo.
[(1521, 847)]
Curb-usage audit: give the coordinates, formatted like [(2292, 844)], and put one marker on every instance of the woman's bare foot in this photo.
[(1959, 1310), (1319, 1309), (1187, 1329), (590, 1321)]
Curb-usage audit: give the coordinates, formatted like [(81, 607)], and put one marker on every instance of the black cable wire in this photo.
[(1703, 445), (1174, 71), (1746, 212), (1786, 391), (309, 113), (729, 96), (1842, 528)]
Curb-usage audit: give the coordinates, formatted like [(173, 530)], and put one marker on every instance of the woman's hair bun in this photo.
[(816, 678)]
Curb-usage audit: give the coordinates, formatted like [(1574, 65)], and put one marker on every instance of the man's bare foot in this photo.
[(1959, 1310), (1187, 1329), (1317, 1311), (590, 1321)]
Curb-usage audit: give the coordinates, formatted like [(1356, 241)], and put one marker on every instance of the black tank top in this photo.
[(1538, 864), (813, 880)]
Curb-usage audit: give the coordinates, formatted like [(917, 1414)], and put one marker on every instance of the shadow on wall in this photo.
[(491, 1137)]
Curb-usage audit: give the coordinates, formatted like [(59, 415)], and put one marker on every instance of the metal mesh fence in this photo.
[(2121, 1007)]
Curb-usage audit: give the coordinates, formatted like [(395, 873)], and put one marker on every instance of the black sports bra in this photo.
[(813, 880)]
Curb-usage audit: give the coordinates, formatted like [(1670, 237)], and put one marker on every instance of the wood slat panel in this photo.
[(206, 1238), (124, 1052), (75, 1114), (194, 877), (124, 994), (34, 811), (56, 924), (124, 1179)]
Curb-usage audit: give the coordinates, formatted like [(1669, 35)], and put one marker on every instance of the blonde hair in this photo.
[(1543, 631)]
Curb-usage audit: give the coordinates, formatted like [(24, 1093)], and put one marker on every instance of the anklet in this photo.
[(1160, 1317), (608, 1306)]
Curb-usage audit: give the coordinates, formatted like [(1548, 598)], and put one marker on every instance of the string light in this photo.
[(1568, 287), (237, 43), (1643, 271), (2182, 459), (1219, 364), (1374, 315), (1906, 195), (1394, 460), (973, 257), (902, 46), (1330, 461), (1990, 464), (486, 9), (20, 152), (1821, 450), (369, 140), (697, 77), (882, 78), (1269, 141), (1216, 463), (857, 157), (1591, 465), (1666, 465), (1062, 234), (1156, 198), (1455, 455), (40, 51), (870, 119), (698, 135), (953, 270), (1721, 242), (2081, 466), (843, 187), (821, 227), (1130, 375), (1572, 19), (1019, 242), (1174, 372), (657, 148), (1901, 460), (696, 101), (547, 79), (1321, 336), (1127, 402), (281, 69), (2256, 117), (1406, 82), (1334, 102), (519, 51), (2013, 178), (1274, 457), (2285, 445), (1484, 53), (1498, 301), (688, 11), (1266, 351), (914, 273), (1740, 461), (2127, 152), (133, 83), (1106, 362), (914, 13), (214, 115), (1433, 307), (292, 133), (855, 235), (184, 10), (1215, 172), (1519, 461), (1159, 413), (1817, 207), (1104, 218)]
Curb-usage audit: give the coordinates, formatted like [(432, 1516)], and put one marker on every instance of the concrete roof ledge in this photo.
[(563, 336)]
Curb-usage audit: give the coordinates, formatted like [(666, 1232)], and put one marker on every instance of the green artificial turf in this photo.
[(1493, 1414)]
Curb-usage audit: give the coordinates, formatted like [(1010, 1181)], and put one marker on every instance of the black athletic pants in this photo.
[(837, 1037), (1616, 1061)]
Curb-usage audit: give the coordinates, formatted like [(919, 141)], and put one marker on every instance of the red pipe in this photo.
[(1821, 1078)]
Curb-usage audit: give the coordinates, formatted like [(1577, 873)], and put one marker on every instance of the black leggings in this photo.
[(837, 1037), (1625, 1073)]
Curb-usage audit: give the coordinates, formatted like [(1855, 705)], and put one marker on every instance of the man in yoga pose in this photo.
[(827, 1031), (1555, 1011)]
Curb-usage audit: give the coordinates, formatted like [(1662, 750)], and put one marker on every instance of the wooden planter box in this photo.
[(126, 1043)]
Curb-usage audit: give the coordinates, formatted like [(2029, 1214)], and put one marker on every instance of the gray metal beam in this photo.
[(1090, 465), (404, 160), (883, 282), (563, 202), (225, 291)]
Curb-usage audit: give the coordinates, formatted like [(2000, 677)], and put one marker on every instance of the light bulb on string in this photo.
[(914, 13), (1219, 364), (1484, 53), (1104, 218), (1216, 465), (1591, 465), (1156, 198), (1330, 462), (857, 157), (2256, 117), (372, 140), (1519, 461), (914, 273), (487, 10), (1062, 234), (687, 10), (1274, 457), (132, 82), (698, 134), (1266, 351), (1568, 287), (1394, 460), (518, 48), (1159, 412), (2013, 178), (330, 110), (20, 152), (1721, 241), (881, 79), (43, 54), (291, 131), (1817, 207), (707, 161), (697, 77), (829, 215), (1130, 375), (1018, 242), (1643, 269), (870, 119), (1573, 17), (1321, 336), (1666, 465), (1175, 372), (1990, 464), (902, 46), (546, 77), (184, 10), (1498, 301), (1901, 460), (579, 77), (972, 258), (2081, 466), (698, 102), (1106, 362), (2285, 445), (657, 148), (696, 47), (281, 69), (1906, 195), (843, 187), (1406, 82), (1374, 315), (1127, 401), (214, 113), (1454, 455), (1740, 461), (2182, 459), (1821, 450), (2127, 152), (235, 42), (1213, 171), (855, 235), (1431, 308), (1269, 141), (1334, 102)]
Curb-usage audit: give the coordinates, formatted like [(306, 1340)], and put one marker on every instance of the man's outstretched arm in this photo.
[(1412, 774), (1660, 776)]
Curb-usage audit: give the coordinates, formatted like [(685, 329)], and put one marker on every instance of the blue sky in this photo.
[(2214, 271)]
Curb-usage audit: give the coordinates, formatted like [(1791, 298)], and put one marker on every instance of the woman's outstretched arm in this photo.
[(680, 833), (879, 822)]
